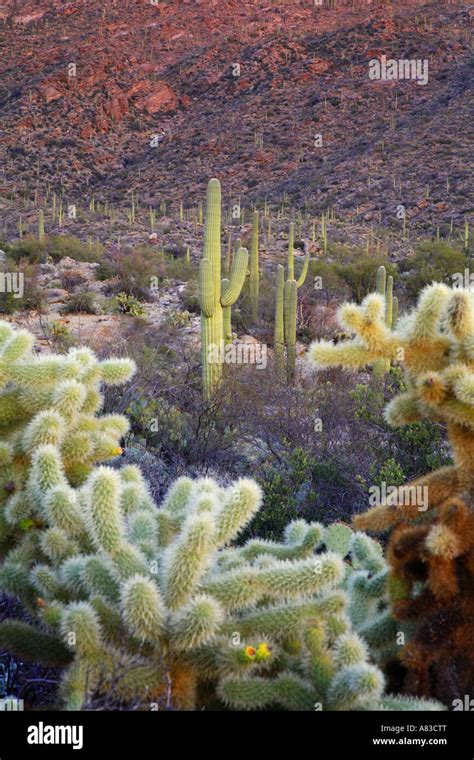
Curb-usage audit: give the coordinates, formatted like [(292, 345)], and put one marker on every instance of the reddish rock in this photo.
[(139, 88), (318, 66), (161, 98), (28, 18), (116, 107), (49, 92), (25, 123), (87, 131)]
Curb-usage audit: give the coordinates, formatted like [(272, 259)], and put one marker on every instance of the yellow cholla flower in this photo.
[(263, 652)]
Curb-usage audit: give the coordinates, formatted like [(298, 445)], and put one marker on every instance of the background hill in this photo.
[(141, 68)]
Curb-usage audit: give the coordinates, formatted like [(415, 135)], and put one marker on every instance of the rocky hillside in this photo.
[(153, 97)]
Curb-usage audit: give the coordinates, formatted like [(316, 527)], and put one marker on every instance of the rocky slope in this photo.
[(85, 86)]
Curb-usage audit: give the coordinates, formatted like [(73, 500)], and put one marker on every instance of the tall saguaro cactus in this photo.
[(41, 225), (291, 252), (215, 295), (384, 286), (291, 303), (279, 332), (287, 302), (254, 269)]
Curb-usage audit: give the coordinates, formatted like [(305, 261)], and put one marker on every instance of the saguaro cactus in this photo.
[(384, 286), (254, 268), (213, 297), (41, 225), (279, 332), (291, 252), (290, 304)]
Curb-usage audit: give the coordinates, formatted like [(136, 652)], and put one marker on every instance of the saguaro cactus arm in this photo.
[(302, 278), (236, 279)]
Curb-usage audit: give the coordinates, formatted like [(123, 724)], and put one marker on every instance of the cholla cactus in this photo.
[(157, 603), (367, 584), (50, 429), (330, 667), (432, 560)]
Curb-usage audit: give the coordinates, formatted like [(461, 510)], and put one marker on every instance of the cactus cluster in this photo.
[(431, 550), (216, 295), (49, 403), (161, 607), (166, 605)]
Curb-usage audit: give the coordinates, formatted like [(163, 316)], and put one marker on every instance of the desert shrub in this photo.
[(60, 246), (132, 270), (126, 304), (32, 296), (71, 279), (159, 425), (190, 297), (332, 284), (83, 302), (406, 452), (175, 249), (29, 248), (56, 247), (432, 262), (287, 493), (58, 335), (179, 269), (177, 318), (359, 274)]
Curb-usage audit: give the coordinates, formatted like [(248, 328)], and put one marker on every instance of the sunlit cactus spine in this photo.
[(212, 298)]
